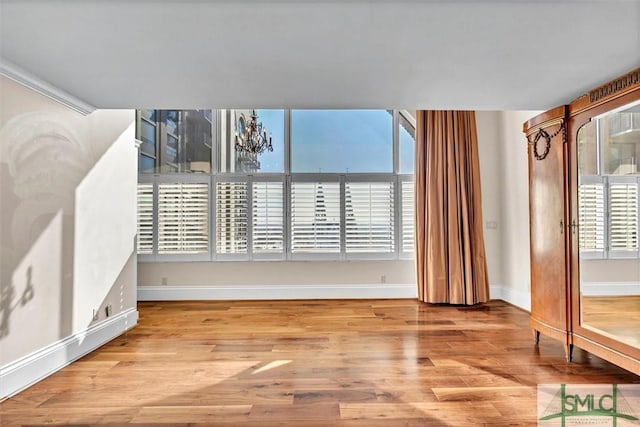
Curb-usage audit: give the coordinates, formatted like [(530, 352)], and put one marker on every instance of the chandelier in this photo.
[(251, 137)]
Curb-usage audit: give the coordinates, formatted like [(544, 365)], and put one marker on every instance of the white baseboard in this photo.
[(610, 289), (517, 297), (24, 372), (272, 292)]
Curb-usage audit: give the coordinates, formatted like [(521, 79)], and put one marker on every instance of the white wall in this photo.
[(505, 203), (67, 230), (490, 153), (277, 280), (515, 209)]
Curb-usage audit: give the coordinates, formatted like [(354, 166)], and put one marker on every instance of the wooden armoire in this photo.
[(584, 203)]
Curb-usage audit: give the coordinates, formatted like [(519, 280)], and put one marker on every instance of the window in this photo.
[(232, 217), (369, 217), (315, 217), (337, 185), (145, 219), (408, 213), (183, 218), (341, 141), (235, 122), (268, 217), (175, 141)]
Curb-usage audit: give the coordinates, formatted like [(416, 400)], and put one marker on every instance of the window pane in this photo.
[(171, 154), (195, 141), (407, 145), (148, 137), (369, 217), (148, 114), (172, 121), (315, 217), (146, 164), (268, 219), (184, 137), (341, 141), (231, 217), (183, 218), (236, 122)]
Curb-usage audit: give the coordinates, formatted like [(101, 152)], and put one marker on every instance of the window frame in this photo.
[(287, 178)]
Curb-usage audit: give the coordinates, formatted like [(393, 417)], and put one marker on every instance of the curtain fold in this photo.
[(450, 253)]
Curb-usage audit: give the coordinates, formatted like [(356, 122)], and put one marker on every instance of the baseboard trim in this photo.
[(33, 82), (608, 289), (22, 373), (516, 297), (272, 292)]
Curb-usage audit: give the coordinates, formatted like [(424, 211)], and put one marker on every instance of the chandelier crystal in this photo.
[(252, 136)]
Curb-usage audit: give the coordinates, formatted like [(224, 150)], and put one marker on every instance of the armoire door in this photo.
[(548, 226)]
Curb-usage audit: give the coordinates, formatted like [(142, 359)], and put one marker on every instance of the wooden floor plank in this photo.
[(311, 363)]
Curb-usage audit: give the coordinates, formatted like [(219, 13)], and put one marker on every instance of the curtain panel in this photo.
[(450, 252)]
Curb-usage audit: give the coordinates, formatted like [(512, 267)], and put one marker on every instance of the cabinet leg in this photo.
[(536, 337), (568, 351)]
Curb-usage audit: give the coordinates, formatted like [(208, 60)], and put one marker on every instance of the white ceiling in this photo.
[(410, 54)]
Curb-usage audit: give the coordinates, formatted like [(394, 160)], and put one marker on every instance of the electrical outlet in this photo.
[(383, 279), (95, 315), (108, 310), (164, 281)]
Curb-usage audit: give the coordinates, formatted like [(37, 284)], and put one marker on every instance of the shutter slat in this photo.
[(408, 216), (315, 217), (145, 219), (232, 222), (183, 218), (623, 217), (268, 217), (369, 220), (591, 217)]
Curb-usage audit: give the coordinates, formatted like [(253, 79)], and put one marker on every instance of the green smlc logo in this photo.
[(612, 405)]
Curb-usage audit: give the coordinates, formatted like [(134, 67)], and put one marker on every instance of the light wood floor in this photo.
[(311, 363)]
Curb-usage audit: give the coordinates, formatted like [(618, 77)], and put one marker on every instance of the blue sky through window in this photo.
[(273, 121), (341, 141)]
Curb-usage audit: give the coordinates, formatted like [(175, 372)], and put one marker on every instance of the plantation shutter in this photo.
[(408, 216), (232, 217), (591, 216), (183, 218), (268, 217), (145, 219), (623, 216), (369, 217), (315, 217)]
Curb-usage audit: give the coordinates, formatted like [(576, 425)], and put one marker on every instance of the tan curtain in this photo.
[(450, 254)]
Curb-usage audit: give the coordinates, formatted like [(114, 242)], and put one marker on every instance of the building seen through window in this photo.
[(175, 141)]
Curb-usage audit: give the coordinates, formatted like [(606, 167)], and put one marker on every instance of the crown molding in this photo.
[(33, 82)]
